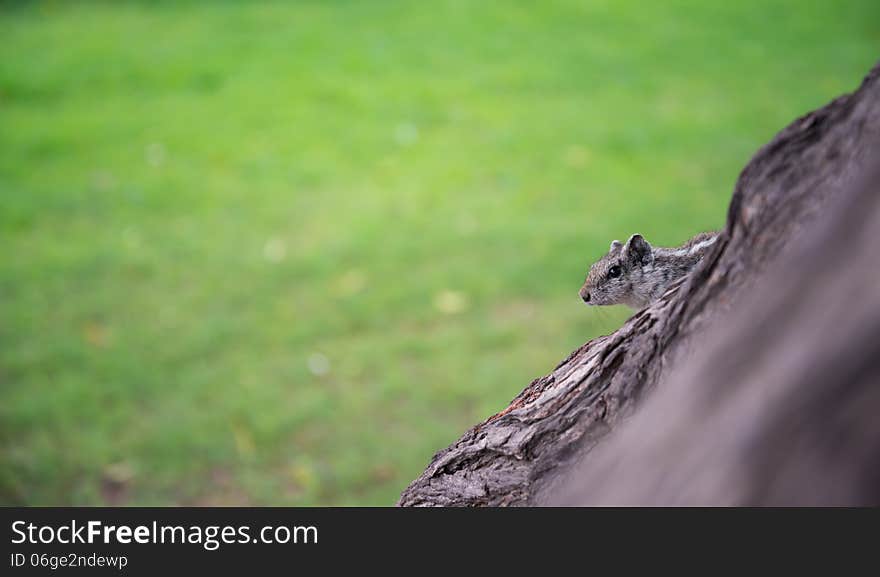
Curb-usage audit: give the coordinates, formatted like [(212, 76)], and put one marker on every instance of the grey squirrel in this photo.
[(636, 273)]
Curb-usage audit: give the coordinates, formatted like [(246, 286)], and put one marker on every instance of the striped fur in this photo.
[(645, 272)]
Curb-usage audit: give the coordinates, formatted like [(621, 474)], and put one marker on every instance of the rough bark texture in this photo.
[(781, 406), (540, 448)]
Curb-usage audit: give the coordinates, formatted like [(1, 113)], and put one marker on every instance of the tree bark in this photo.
[(734, 340)]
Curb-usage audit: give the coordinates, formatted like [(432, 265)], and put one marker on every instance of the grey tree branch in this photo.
[(547, 445)]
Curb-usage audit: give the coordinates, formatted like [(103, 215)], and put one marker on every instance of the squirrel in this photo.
[(636, 274)]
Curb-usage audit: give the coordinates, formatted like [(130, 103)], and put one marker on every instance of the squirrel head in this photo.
[(612, 278)]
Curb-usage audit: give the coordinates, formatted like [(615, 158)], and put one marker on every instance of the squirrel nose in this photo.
[(586, 297)]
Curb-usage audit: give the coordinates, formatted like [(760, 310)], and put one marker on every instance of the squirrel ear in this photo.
[(616, 245), (638, 250)]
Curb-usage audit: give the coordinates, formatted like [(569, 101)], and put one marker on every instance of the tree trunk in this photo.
[(760, 353)]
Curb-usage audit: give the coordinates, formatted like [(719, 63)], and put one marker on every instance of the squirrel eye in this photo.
[(614, 271)]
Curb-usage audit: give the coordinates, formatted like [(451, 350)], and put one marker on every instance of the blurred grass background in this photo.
[(281, 253)]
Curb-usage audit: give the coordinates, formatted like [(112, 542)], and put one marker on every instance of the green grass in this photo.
[(281, 253)]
